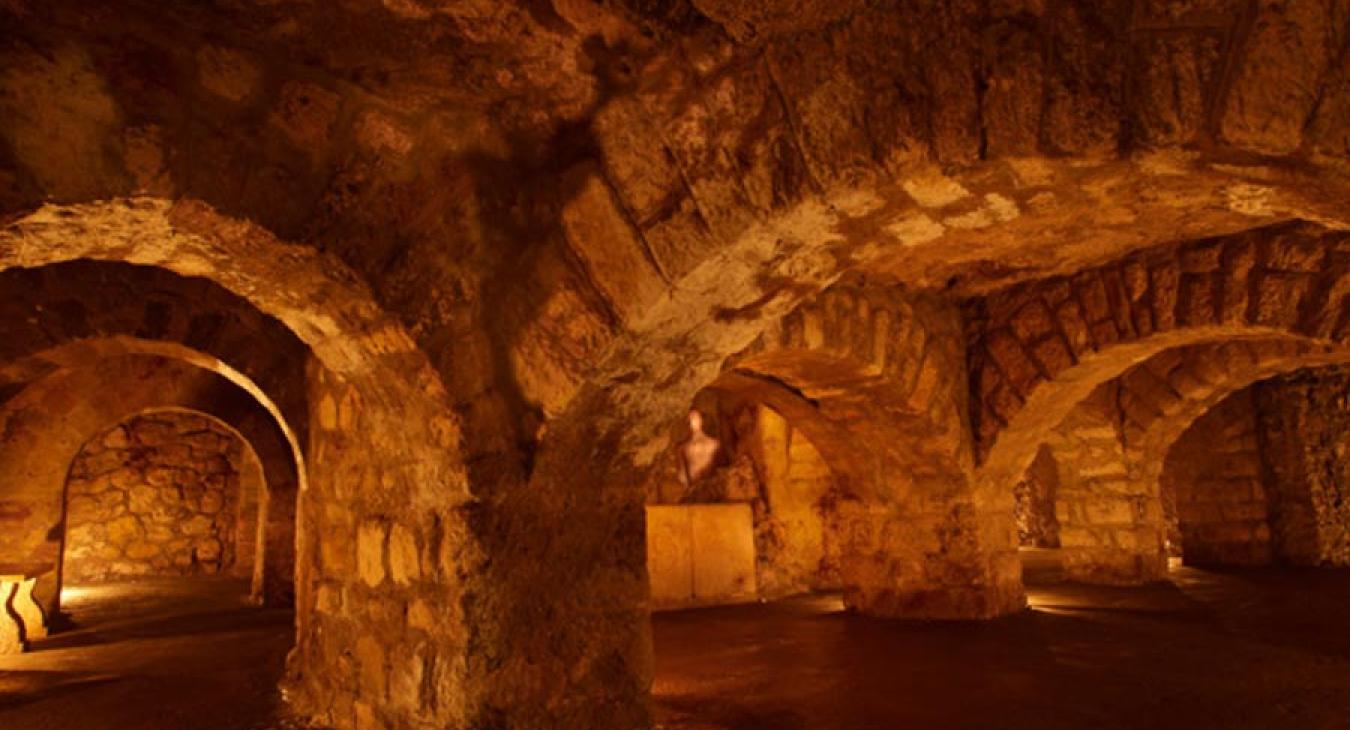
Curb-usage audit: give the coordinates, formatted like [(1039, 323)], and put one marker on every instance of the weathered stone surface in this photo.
[(370, 552), (1292, 48), (404, 557), (149, 458), (448, 269), (1303, 439)]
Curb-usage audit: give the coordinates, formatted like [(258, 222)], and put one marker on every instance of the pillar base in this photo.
[(1114, 567), (951, 592), (942, 604)]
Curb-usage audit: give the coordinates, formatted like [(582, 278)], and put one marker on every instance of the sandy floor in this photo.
[(1261, 649)]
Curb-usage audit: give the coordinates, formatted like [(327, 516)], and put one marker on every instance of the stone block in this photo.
[(602, 236), (722, 540), (406, 672), (142, 550), (1075, 327), (199, 526), (1053, 355), (1020, 371), (701, 554), (1293, 252), (1277, 299), (1164, 280), (1122, 310), (1143, 321), (328, 599), (364, 717), (208, 549), (404, 558), (1202, 259), (1075, 536), (1004, 403), (420, 616), (305, 113), (124, 530), (1092, 294), (670, 558), (1276, 89), (1104, 333), (1196, 304), (370, 548), (371, 668), (1136, 278), (1187, 384), (881, 333), (1032, 321)]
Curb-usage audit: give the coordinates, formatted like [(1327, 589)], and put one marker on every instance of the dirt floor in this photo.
[(1261, 649), (184, 653), (1252, 649)]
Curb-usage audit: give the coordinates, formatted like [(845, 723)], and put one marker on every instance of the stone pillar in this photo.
[(561, 617), (1213, 473), (383, 553), (951, 560), (1111, 525), (1304, 431), (246, 555)]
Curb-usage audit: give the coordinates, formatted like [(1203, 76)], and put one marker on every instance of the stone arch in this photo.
[(1041, 347), (385, 479), (1109, 450), (872, 376), (95, 383), (52, 308), (23, 371)]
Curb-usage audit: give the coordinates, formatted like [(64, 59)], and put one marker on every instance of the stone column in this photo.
[(1111, 524)]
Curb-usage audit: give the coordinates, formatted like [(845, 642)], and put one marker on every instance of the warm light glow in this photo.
[(826, 603), (73, 593)]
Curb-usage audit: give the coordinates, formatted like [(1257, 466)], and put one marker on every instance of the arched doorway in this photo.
[(379, 480)]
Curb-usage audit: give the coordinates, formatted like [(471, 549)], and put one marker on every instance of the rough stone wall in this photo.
[(1305, 438), (1149, 407), (1036, 495), (1110, 520), (380, 604), (797, 550), (47, 424), (157, 495), (1213, 476)]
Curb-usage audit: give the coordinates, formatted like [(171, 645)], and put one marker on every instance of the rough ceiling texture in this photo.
[(518, 237)]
